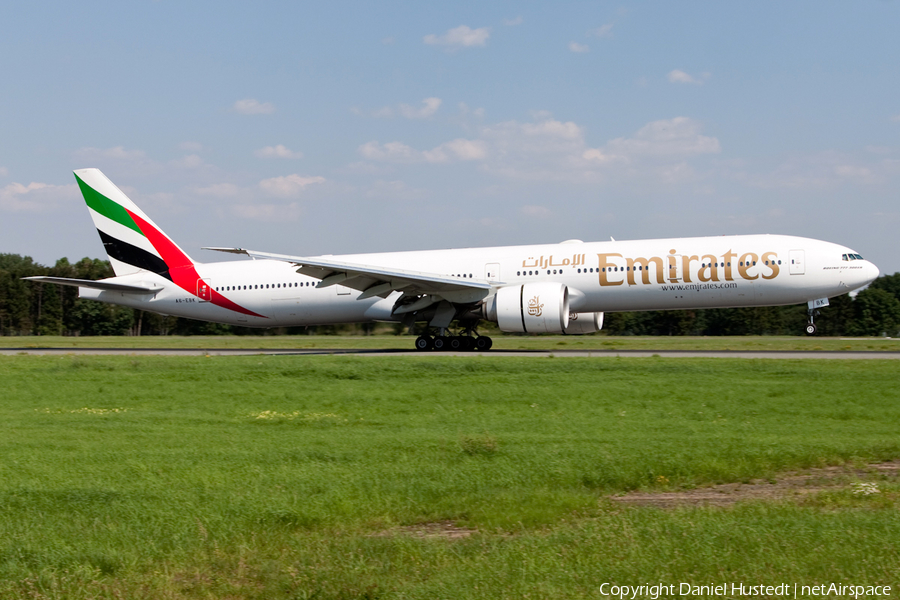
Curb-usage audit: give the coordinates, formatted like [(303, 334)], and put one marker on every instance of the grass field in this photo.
[(501, 342), (323, 477)]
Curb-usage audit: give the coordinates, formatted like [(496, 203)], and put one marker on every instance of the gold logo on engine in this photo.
[(535, 308)]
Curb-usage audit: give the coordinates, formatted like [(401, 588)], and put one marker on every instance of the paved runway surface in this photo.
[(782, 354)]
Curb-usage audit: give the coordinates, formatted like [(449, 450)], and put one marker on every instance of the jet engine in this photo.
[(580, 323), (530, 308)]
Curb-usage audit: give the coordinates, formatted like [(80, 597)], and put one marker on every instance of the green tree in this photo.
[(97, 318), (888, 283), (16, 316), (876, 311)]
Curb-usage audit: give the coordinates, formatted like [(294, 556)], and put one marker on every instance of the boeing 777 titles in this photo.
[(555, 288)]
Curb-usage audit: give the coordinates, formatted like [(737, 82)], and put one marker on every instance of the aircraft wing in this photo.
[(97, 285), (377, 281)]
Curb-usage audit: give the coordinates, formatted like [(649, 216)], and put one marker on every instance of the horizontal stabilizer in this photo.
[(97, 285)]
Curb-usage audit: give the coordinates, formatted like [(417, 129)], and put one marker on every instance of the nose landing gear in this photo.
[(811, 327), (812, 311)]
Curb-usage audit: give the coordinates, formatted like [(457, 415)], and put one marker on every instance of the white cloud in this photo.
[(430, 106), (513, 22), (288, 185), (191, 161), (854, 172), (114, 153), (550, 149), (578, 48), (539, 212), (190, 146), (553, 128), (34, 197), (278, 151), (392, 151), (271, 213), (824, 171), (599, 156), (679, 76), (219, 190), (394, 190), (676, 137), (460, 37), (602, 31), (465, 110), (458, 149), (251, 106)]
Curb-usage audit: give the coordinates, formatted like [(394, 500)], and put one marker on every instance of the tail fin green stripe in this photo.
[(106, 207)]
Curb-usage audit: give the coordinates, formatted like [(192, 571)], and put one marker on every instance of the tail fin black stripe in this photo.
[(134, 256)]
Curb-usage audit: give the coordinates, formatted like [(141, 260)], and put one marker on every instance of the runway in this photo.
[(775, 354)]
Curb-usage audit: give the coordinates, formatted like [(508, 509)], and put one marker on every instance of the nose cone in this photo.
[(871, 272)]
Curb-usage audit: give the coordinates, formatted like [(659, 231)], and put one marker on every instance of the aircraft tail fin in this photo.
[(133, 242)]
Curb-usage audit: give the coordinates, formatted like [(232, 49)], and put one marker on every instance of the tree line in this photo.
[(31, 308)]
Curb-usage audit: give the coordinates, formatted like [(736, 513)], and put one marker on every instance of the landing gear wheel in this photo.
[(423, 342), (483, 343), (440, 343), (811, 329), (467, 342), (455, 343)]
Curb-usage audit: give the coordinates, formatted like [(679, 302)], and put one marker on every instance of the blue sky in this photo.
[(354, 127)]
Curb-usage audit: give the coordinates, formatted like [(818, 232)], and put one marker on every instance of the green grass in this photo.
[(501, 342), (277, 477)]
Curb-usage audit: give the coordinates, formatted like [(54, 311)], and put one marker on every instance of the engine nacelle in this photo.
[(580, 323), (530, 308)]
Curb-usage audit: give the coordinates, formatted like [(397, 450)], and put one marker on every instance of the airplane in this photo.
[(560, 288)]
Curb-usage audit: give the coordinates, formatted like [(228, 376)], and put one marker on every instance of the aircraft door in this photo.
[(492, 271), (204, 290), (675, 268), (797, 263)]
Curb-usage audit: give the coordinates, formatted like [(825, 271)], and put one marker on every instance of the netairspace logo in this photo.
[(732, 590)]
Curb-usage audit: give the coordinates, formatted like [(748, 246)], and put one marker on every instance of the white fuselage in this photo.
[(614, 276)]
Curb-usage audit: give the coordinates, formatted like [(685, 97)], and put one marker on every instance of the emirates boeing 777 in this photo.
[(552, 288)]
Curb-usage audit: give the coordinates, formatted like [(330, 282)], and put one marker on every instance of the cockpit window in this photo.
[(852, 257), (844, 257)]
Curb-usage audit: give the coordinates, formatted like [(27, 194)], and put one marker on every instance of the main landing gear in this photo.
[(453, 342)]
